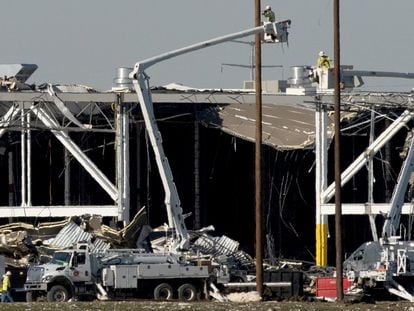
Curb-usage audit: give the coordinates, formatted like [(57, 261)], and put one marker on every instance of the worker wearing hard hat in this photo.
[(323, 61), (6, 288), (269, 15)]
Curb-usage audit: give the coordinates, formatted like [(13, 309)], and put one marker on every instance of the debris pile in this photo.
[(23, 243), (224, 250)]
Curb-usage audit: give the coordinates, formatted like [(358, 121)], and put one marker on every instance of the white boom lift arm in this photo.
[(275, 32), (392, 221)]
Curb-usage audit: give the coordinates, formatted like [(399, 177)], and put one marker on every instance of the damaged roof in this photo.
[(288, 120), (285, 127)]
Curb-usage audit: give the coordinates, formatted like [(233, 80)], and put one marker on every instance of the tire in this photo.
[(187, 292), (30, 296), (163, 291), (58, 293)]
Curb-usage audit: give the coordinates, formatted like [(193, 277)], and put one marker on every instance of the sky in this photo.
[(84, 41)]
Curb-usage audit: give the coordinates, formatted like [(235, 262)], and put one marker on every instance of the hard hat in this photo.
[(8, 273), (268, 7), (321, 53)]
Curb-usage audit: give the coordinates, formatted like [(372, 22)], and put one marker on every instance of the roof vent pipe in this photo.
[(301, 76), (122, 79)]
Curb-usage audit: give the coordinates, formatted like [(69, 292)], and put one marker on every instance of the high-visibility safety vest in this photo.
[(6, 283), (269, 16), (324, 62)]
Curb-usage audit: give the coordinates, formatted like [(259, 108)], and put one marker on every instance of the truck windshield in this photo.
[(60, 258)]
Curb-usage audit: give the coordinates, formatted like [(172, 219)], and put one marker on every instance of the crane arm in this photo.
[(142, 88), (397, 200), (172, 200), (269, 28)]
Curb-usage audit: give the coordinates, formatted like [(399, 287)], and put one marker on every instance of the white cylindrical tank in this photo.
[(301, 76), (122, 79)]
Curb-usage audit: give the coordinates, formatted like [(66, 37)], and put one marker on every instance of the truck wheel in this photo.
[(57, 293), (187, 292), (30, 296), (163, 291)]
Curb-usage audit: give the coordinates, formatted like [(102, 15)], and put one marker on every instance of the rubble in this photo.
[(22, 243), (244, 297), (224, 250)]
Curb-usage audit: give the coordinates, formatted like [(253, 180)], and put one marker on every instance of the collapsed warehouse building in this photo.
[(69, 150)]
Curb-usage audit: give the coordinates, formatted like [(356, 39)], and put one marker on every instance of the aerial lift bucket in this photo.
[(277, 32)]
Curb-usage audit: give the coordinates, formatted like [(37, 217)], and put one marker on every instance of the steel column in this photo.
[(197, 218), (371, 179), (23, 157), (125, 194), (119, 143), (321, 177), (28, 158), (67, 176)]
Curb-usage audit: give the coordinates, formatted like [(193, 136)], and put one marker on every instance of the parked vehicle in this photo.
[(119, 273)]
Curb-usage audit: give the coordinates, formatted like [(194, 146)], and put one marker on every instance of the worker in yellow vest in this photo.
[(269, 15), (6, 288), (323, 61)]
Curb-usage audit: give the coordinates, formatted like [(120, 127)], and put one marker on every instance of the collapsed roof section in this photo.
[(284, 127), (288, 121)]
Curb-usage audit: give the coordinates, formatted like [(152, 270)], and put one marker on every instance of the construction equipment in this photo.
[(79, 272), (113, 273), (387, 263), (141, 85)]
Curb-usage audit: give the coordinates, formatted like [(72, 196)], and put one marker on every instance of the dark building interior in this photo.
[(226, 181)]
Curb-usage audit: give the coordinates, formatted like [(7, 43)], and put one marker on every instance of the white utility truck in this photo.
[(117, 273)]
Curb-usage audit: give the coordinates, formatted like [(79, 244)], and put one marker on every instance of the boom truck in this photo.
[(120, 272), (386, 264)]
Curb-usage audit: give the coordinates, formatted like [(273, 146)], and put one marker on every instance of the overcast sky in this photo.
[(84, 41)]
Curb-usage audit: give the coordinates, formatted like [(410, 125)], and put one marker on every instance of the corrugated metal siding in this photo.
[(216, 246), (71, 234)]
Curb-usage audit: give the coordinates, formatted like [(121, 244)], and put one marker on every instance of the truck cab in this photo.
[(66, 274), (80, 269)]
